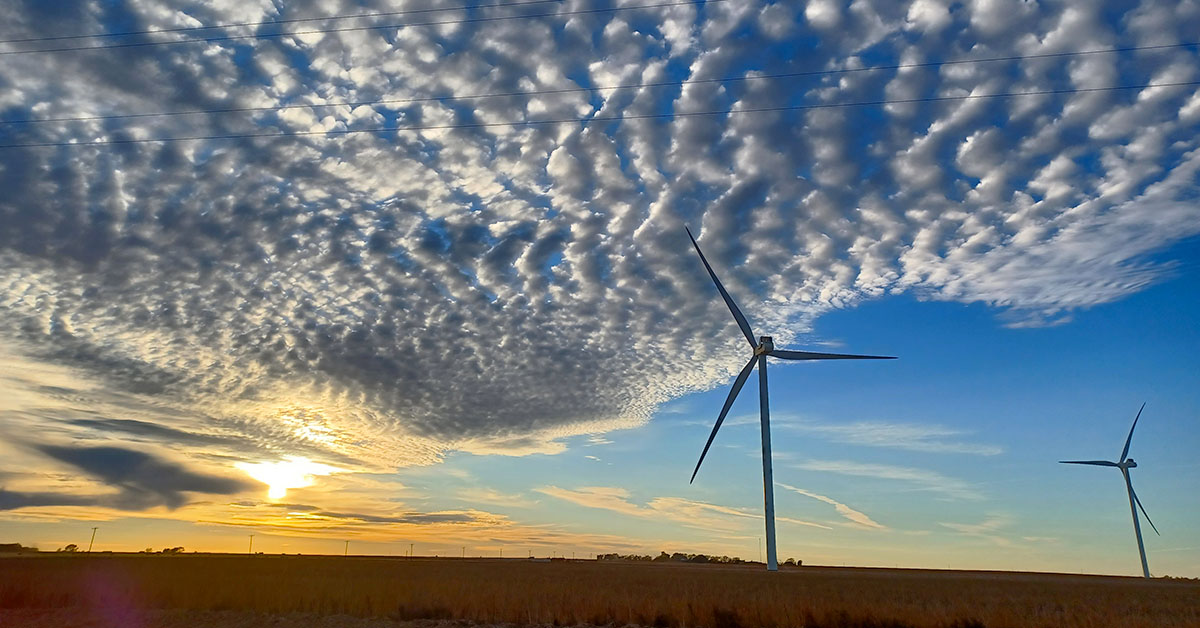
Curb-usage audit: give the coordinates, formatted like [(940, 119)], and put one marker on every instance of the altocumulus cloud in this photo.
[(389, 296)]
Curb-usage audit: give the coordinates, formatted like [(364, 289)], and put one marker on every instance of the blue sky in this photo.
[(417, 315)]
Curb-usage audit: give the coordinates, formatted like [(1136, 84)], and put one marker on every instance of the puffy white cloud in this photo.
[(376, 299)]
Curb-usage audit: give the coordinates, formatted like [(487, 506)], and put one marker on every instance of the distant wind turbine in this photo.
[(1125, 464), (763, 347)]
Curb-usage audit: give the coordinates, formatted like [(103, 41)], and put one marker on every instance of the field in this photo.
[(225, 591)]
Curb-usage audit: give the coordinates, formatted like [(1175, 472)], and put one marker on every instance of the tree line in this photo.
[(680, 557)]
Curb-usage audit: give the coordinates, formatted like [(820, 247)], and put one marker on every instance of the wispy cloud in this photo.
[(988, 529), (603, 497), (689, 512), (801, 522), (495, 498), (854, 516), (922, 479), (994, 529), (908, 436), (920, 437)]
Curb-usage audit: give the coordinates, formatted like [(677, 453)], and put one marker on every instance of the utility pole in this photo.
[(251, 550), (464, 553), (501, 552), (347, 550), (410, 545), (92, 541)]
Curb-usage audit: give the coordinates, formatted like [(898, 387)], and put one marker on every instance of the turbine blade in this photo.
[(733, 308), (809, 355), (1143, 508), (733, 393), (1125, 452), (1098, 463)]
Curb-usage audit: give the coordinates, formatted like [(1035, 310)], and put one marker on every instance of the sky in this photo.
[(419, 280)]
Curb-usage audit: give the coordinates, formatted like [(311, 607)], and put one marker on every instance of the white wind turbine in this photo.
[(763, 347), (1125, 464)]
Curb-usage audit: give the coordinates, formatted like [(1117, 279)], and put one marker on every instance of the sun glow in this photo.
[(291, 472)]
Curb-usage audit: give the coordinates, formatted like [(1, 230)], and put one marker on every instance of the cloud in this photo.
[(309, 517), (150, 431), (12, 500), (689, 512), (603, 497), (906, 436), (987, 529), (145, 481), (495, 498), (387, 297), (854, 516), (923, 479), (477, 529)]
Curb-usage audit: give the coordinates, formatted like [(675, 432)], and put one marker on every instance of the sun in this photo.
[(291, 472)]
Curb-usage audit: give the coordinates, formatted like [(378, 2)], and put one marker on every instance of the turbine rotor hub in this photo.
[(765, 345)]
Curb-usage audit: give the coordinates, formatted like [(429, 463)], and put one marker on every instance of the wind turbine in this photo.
[(763, 348), (1125, 464)]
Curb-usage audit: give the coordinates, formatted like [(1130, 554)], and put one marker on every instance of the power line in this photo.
[(527, 123), (544, 92), (141, 44), (357, 16)]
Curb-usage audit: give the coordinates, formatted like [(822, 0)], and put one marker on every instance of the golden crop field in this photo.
[(490, 591)]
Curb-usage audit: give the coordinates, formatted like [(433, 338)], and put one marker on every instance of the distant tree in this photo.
[(173, 550), (791, 562), (69, 548)]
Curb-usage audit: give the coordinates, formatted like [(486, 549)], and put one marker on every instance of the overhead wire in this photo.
[(492, 18), (585, 120), (568, 90)]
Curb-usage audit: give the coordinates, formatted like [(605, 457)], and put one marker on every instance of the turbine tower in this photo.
[(1125, 464), (763, 347)]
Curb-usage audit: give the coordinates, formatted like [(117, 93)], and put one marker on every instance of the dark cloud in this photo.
[(415, 518), (12, 500), (145, 481), (152, 431)]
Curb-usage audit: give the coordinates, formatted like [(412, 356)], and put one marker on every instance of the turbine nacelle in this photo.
[(765, 345), (1129, 463)]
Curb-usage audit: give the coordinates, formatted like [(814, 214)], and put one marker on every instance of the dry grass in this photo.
[(584, 592)]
